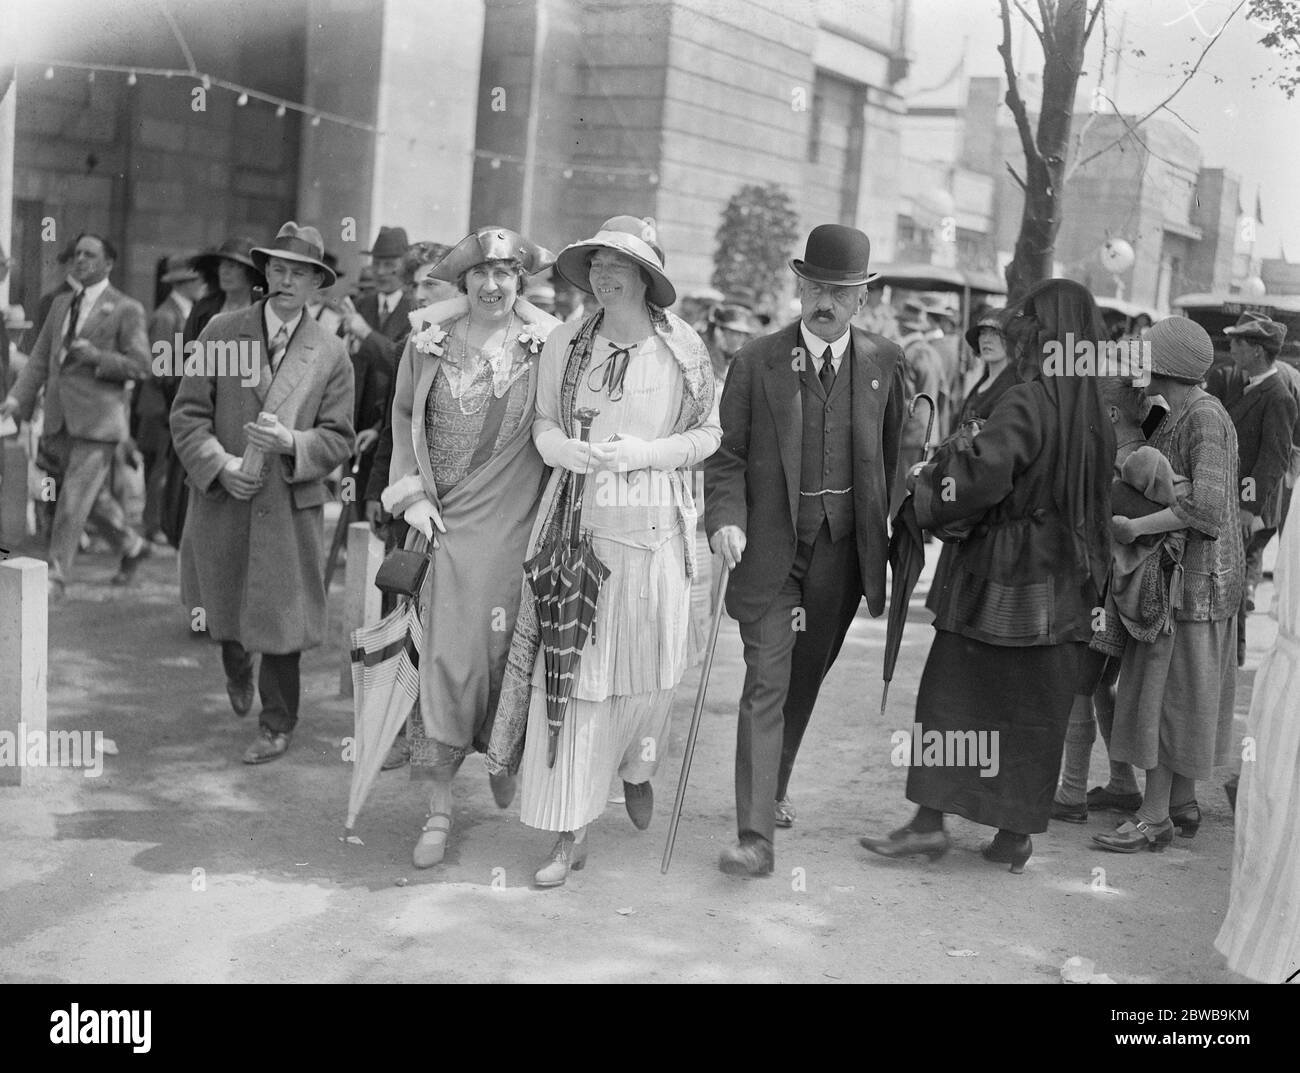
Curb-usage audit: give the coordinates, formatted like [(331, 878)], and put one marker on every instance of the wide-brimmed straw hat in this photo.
[(835, 255), (634, 238), (294, 243), (492, 244), (238, 249), (179, 269)]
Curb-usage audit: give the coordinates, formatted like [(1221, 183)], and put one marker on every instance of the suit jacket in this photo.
[(1265, 418), (397, 322), (256, 566), (152, 400), (752, 481), (88, 399)]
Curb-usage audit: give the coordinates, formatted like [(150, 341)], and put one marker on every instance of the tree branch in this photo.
[(1048, 36), (1177, 89), (1014, 101), (1092, 21), (1029, 19), (1019, 181)]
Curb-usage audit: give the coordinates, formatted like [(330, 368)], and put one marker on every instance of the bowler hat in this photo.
[(492, 244), (634, 238), (238, 249), (179, 269), (392, 242), (294, 243), (1256, 326), (836, 255)]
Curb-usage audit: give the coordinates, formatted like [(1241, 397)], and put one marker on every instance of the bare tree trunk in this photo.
[(1066, 25)]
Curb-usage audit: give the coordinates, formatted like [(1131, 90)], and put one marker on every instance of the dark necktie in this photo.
[(73, 313), (278, 346), (827, 373)]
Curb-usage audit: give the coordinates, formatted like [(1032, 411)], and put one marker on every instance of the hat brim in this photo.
[(180, 277), (1248, 331), (208, 262), (468, 252), (825, 276), (572, 265), (262, 254)]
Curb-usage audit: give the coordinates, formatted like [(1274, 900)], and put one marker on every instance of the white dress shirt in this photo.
[(817, 347)]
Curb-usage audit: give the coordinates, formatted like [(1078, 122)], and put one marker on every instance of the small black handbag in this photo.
[(403, 569)]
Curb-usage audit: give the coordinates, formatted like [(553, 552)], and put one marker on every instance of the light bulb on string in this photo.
[(49, 73), (207, 82), (279, 112), (90, 77), (496, 162), (131, 80), (315, 121), (242, 100)]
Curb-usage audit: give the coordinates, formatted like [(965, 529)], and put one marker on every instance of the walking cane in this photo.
[(695, 720), (346, 516)]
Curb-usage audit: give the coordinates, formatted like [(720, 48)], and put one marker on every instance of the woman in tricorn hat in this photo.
[(648, 374), (464, 465)]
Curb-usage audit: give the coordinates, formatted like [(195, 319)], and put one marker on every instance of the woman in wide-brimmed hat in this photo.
[(1173, 708), (648, 374), (466, 474), (239, 282)]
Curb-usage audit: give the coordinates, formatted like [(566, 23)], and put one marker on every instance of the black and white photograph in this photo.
[(650, 491)]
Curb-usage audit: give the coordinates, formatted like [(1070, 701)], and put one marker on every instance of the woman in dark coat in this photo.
[(1015, 603)]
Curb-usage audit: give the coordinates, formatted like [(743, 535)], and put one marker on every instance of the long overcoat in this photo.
[(256, 566)]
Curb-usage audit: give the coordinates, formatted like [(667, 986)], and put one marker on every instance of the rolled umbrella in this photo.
[(906, 558), (347, 516), (566, 579), (689, 755)]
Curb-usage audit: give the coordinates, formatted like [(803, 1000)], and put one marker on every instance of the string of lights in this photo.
[(245, 94)]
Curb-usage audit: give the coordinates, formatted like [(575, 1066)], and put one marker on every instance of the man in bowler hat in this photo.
[(797, 504)]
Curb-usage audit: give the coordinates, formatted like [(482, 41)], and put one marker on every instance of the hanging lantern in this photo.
[(1117, 256)]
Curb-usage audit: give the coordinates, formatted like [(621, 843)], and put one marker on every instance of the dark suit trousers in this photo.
[(784, 668), (278, 683)]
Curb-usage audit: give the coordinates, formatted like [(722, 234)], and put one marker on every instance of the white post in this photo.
[(361, 600), (24, 660)]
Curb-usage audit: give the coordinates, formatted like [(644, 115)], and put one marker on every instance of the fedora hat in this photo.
[(634, 238), (238, 249), (179, 269), (492, 244), (835, 255), (1257, 326), (294, 243), (392, 242)]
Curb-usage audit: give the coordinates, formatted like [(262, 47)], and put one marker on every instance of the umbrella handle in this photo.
[(929, 425), (585, 416), (695, 721)]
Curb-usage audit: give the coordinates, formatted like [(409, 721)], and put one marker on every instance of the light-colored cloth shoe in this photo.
[(432, 846), (785, 814), (567, 855)]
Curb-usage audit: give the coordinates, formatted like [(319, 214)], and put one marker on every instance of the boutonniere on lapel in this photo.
[(107, 307), (431, 341)]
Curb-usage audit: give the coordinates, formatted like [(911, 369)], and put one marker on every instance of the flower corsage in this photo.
[(431, 341)]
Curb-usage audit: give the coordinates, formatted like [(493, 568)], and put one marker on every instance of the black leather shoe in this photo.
[(1230, 790), (1135, 835), (752, 858), (639, 800), (1187, 819), (131, 563), (1103, 800), (907, 843), (267, 746), (241, 695), (503, 788), (1069, 813), (1006, 851)]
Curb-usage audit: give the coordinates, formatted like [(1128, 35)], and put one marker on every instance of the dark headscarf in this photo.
[(1064, 311)]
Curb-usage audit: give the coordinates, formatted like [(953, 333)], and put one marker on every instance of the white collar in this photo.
[(182, 303), (1252, 381), (817, 347), (273, 323), (90, 295), (388, 302)]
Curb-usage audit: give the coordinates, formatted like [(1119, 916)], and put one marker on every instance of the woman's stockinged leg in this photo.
[(1155, 802), (1080, 734)]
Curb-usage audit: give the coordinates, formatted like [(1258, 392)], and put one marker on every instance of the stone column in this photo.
[(24, 663)]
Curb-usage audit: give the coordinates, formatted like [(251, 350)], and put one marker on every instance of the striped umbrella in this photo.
[(566, 578)]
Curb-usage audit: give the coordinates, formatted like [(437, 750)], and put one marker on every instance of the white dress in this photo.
[(1261, 932), (644, 636)]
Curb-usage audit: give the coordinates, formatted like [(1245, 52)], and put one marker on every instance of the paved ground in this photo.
[(181, 864)]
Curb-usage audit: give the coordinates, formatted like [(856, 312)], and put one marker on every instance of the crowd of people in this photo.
[(1102, 535)]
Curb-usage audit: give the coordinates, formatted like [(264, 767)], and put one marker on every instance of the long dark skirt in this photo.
[(1020, 699)]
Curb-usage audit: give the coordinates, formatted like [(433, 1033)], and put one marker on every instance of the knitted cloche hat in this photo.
[(1180, 349)]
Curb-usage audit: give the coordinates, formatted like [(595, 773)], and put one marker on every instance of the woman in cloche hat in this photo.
[(647, 374), (464, 465)]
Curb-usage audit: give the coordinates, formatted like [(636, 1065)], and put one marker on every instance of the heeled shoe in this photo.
[(432, 846), (567, 855), (639, 800), (1135, 835), (1186, 819), (503, 788), (908, 843), (1015, 854)]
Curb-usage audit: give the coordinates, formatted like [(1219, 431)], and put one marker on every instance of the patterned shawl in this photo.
[(506, 749)]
